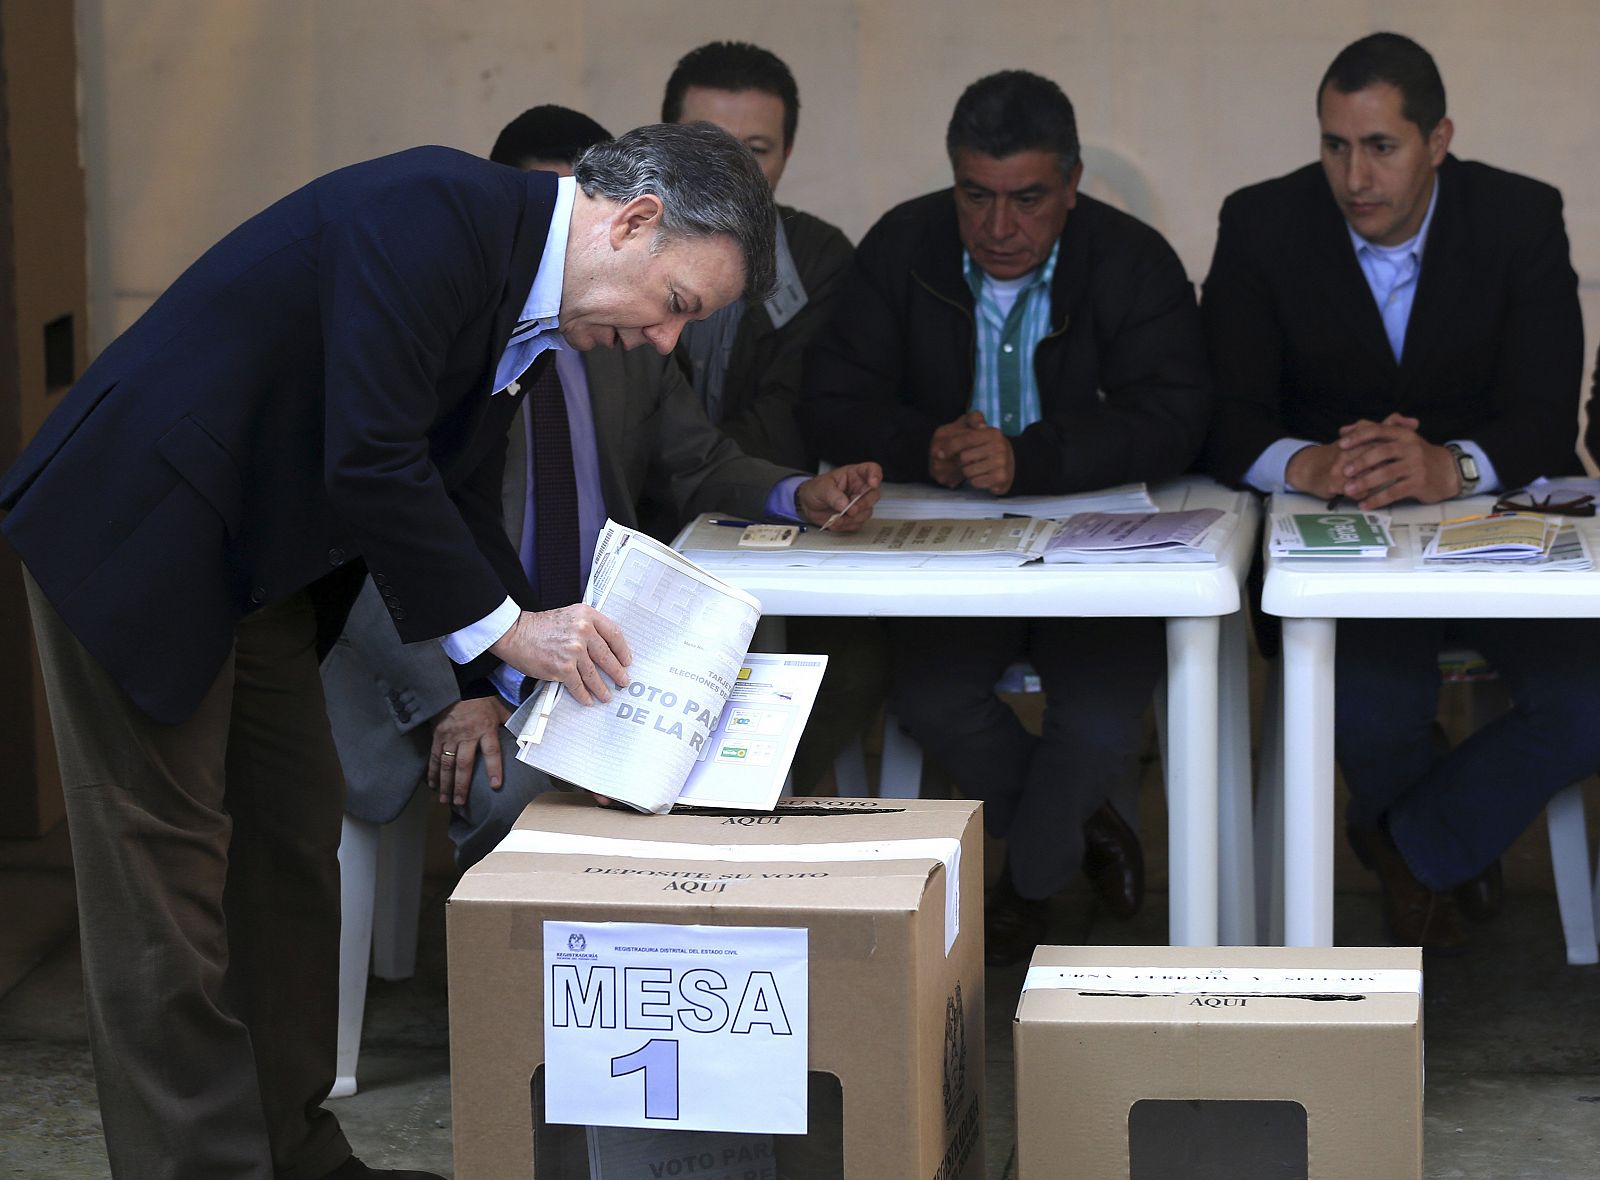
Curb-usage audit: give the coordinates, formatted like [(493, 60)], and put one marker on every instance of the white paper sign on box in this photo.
[(700, 1028)]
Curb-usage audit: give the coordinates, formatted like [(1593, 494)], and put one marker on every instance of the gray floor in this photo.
[(1513, 1033)]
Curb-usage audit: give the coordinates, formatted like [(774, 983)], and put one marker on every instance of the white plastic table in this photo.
[(1207, 685), (1310, 596)]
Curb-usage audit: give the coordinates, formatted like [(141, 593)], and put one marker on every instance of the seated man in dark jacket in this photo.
[(1015, 336), (745, 362), (1394, 324)]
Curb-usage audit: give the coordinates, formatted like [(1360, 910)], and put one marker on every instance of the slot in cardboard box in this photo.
[(894, 970), (1213, 1063)]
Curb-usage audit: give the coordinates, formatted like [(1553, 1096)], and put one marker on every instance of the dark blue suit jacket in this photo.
[(315, 389), (1493, 350)]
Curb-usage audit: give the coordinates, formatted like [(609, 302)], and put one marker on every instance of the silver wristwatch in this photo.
[(1466, 468)]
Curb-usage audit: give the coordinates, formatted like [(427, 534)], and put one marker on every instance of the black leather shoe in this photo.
[(354, 1169), (1480, 898), (1416, 915), (1114, 861), (1012, 925)]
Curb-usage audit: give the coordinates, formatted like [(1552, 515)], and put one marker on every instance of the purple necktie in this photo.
[(555, 492)]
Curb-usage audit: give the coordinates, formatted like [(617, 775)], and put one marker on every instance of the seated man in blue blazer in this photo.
[(398, 712), (325, 392), (1393, 325)]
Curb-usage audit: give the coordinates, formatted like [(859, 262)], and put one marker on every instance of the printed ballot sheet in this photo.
[(631, 1153), (701, 1028), (746, 760)]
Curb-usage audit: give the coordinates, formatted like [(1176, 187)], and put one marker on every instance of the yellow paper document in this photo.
[(1505, 536)]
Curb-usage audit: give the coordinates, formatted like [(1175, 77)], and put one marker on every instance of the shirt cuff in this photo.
[(1488, 478), (1270, 471), (508, 682), (473, 640), (780, 500)]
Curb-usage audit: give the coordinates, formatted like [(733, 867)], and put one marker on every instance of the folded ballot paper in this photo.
[(1329, 534), (700, 721)]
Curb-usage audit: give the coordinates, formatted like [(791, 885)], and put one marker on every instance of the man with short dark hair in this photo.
[(1391, 325), (746, 361), (549, 138), (633, 422), (327, 389), (1016, 336)]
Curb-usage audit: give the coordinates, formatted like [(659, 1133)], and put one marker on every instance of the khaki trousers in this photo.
[(208, 900)]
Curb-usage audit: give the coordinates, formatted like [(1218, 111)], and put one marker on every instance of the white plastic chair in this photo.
[(380, 897), (1577, 898), (899, 769), (1577, 894)]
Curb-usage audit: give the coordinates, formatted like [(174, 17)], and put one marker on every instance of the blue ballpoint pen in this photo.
[(744, 524)]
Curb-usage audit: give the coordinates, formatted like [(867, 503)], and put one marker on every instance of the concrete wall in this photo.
[(198, 113)]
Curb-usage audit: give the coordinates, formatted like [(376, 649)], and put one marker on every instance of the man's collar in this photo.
[(544, 298), (1415, 244), (1040, 276)]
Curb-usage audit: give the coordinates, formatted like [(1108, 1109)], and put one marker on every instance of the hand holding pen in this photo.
[(840, 500)]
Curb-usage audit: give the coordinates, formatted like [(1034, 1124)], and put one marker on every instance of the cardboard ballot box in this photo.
[(794, 996), (1208, 1063)]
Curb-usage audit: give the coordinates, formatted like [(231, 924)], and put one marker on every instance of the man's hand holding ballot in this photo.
[(573, 645)]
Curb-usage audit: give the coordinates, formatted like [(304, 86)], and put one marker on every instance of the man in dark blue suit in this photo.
[(326, 391)]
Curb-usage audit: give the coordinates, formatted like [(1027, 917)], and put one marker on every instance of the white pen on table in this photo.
[(827, 524)]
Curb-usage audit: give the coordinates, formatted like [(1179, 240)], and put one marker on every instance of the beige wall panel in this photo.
[(196, 114)]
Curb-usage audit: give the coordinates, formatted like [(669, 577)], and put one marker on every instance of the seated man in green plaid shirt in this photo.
[(1015, 336)]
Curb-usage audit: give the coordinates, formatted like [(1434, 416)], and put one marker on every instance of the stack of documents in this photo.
[(1505, 541), (1196, 535), (881, 542), (1499, 536), (1330, 534), (914, 501)]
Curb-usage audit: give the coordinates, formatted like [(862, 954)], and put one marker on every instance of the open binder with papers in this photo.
[(1196, 535)]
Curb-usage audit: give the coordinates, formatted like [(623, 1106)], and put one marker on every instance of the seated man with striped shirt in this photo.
[(1016, 336)]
